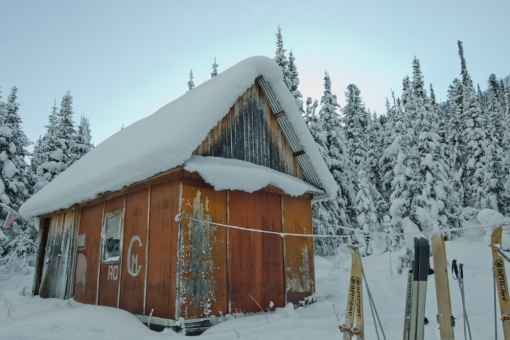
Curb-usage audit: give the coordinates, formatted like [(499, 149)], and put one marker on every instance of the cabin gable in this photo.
[(250, 132)]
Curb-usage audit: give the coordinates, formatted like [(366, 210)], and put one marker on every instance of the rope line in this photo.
[(283, 234)]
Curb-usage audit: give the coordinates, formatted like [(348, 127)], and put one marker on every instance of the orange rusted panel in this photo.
[(250, 132), (161, 279), (256, 259), (87, 259), (299, 268), (110, 273), (203, 253), (134, 250)]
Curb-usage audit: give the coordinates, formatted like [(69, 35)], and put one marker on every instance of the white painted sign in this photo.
[(113, 272), (132, 259)]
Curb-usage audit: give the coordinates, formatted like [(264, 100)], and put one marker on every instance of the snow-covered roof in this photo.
[(231, 174), (167, 139)]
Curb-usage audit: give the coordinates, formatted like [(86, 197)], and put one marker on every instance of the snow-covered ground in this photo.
[(36, 318)]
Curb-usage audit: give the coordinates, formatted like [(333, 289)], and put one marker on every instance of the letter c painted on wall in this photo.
[(132, 260)]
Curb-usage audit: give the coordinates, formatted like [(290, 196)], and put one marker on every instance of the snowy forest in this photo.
[(422, 165), (24, 173)]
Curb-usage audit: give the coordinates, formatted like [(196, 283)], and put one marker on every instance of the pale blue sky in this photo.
[(122, 60)]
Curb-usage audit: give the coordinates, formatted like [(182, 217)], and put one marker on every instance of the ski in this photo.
[(409, 297), (501, 282), (444, 305), (353, 325), (420, 275)]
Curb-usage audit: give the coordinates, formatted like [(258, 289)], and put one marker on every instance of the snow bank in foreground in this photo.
[(45, 319), (233, 174), (167, 138)]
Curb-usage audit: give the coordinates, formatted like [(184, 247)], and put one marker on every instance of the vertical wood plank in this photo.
[(87, 259), (256, 259), (161, 279), (203, 253), (133, 264), (299, 265)]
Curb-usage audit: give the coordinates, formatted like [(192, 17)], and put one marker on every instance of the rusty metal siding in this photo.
[(299, 265), (110, 273), (250, 132), (161, 278), (256, 259), (87, 259), (203, 253), (58, 256), (135, 243)]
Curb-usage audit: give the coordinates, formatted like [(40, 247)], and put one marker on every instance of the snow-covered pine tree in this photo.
[(435, 206), (281, 58), (354, 123), (339, 162), (82, 140), (191, 84), (387, 160), (492, 194), (17, 244), (405, 171), (65, 133), (474, 137), (51, 153), (368, 219), (505, 88), (294, 82), (325, 214), (310, 109), (214, 72), (35, 162)]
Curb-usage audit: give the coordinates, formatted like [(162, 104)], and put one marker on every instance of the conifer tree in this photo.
[(492, 194), (214, 72), (191, 84), (14, 187), (51, 163), (355, 125), (474, 137), (294, 82), (281, 58), (83, 140), (65, 133)]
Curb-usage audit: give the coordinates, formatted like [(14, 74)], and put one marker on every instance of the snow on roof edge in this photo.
[(156, 143), (232, 174)]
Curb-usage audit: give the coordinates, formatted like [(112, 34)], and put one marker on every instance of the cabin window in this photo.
[(111, 236)]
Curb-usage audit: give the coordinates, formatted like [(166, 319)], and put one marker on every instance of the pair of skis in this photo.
[(500, 278), (417, 289)]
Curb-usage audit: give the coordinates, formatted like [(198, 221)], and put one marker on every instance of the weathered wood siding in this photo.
[(110, 273), (87, 258), (163, 235), (250, 132), (299, 265), (134, 252), (256, 259), (203, 251), (58, 255)]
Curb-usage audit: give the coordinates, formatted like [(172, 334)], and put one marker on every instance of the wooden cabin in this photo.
[(163, 219)]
